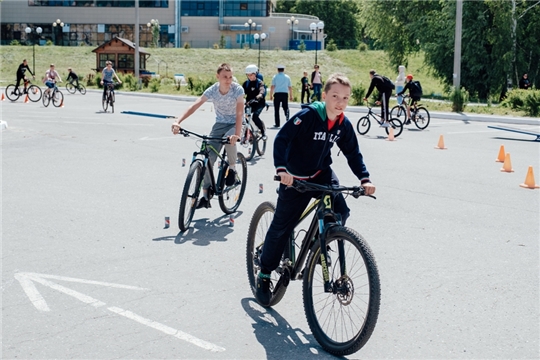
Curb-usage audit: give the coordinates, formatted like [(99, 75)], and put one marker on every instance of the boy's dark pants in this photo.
[(283, 100), (290, 206), (305, 90)]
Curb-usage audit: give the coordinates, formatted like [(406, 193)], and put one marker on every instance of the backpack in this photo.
[(388, 83), (416, 89)]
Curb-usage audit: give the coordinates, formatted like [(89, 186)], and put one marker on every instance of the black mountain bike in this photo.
[(53, 94), (364, 123), (34, 93), (229, 197), (108, 99), (72, 88), (341, 288), (419, 114), (251, 138)]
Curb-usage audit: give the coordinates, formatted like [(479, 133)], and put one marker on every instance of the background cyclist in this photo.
[(20, 75), (385, 91), (107, 75), (51, 77), (255, 90), (413, 93), (72, 77)]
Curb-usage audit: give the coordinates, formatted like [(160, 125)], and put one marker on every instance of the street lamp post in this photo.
[(316, 28), (153, 26), (260, 38), (28, 30), (250, 24), (56, 23), (292, 21)]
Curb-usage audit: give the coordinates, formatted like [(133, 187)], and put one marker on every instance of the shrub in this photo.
[(362, 47), (130, 82), (525, 100), (532, 103), (146, 80), (357, 94), (302, 46), (90, 80), (216, 46), (14, 43), (49, 43), (98, 81), (154, 85), (197, 86), (187, 45), (331, 45), (222, 42), (515, 99), (459, 98)]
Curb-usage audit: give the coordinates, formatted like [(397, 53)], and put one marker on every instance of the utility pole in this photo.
[(137, 58), (457, 45)]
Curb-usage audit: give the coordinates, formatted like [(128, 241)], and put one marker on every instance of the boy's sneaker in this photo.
[(264, 138), (203, 203), (385, 124), (263, 292), (408, 122), (231, 178)]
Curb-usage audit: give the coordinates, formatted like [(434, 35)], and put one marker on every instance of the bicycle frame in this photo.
[(375, 116)]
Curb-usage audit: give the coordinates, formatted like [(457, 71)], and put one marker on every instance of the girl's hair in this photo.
[(336, 78), (224, 67)]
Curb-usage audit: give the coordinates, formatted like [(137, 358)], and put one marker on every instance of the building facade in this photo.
[(193, 23)]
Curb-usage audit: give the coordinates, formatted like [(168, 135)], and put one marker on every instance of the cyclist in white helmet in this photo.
[(255, 93)]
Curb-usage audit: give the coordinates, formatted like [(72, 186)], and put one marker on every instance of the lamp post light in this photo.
[(250, 24), (153, 26), (28, 30), (316, 28), (56, 23), (260, 38), (292, 21)]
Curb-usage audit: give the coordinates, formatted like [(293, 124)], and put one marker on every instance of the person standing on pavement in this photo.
[(316, 84), (305, 89), (400, 83), (281, 86)]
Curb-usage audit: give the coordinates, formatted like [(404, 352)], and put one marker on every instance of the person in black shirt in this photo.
[(72, 77), (524, 82), (384, 94), (254, 89), (20, 74)]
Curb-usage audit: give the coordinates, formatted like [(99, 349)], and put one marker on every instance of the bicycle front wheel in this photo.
[(34, 93), (190, 194), (111, 101), (105, 102), (70, 88), (12, 93), (249, 143), (261, 144), (231, 196), (421, 118), (82, 89), (343, 320), (258, 227), (58, 98), (46, 97), (397, 125), (363, 125), (399, 112)]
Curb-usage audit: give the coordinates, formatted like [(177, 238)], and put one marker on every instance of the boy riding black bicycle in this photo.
[(21, 70), (228, 99), (415, 92), (302, 151), (255, 92), (72, 78)]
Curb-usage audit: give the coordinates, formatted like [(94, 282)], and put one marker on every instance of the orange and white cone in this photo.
[(62, 103), (3, 97), (26, 99), (507, 166), (440, 145), (500, 158), (391, 134), (529, 180)]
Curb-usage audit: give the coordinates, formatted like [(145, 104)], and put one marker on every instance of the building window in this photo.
[(243, 6), (126, 61), (230, 8), (101, 3), (103, 60)]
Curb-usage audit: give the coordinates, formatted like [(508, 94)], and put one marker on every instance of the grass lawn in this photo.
[(202, 63)]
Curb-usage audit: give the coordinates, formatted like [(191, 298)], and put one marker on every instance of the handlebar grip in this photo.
[(277, 178)]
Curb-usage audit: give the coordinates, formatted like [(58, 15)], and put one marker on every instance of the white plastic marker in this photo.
[(27, 283)]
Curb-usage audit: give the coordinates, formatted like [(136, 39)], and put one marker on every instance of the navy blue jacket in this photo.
[(303, 145)]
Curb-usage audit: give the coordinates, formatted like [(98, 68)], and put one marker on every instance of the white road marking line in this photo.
[(167, 330), (33, 294), (64, 278)]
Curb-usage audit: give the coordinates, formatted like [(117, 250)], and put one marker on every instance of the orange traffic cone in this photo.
[(441, 144), (391, 134), (26, 99), (500, 158), (507, 166), (3, 97), (62, 103), (529, 180)]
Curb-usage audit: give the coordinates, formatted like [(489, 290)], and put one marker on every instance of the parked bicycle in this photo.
[(419, 114), (53, 94), (251, 138), (229, 197), (34, 93), (364, 123), (73, 88), (109, 98), (341, 287)]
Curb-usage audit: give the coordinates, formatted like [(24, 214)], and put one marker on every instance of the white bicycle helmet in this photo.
[(252, 69)]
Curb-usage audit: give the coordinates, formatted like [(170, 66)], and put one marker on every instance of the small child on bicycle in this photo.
[(228, 99), (51, 77), (255, 93), (415, 92), (72, 77), (302, 151)]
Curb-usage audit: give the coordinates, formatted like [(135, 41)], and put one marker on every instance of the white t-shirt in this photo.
[(225, 105)]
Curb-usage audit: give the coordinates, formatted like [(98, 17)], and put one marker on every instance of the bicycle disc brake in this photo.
[(344, 289)]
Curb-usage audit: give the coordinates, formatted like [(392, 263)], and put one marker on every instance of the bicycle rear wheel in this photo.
[(12, 93), (82, 89), (34, 93), (111, 101), (231, 196), (363, 125), (190, 194), (397, 125), (258, 227), (342, 321), (399, 112), (70, 88), (58, 98), (421, 118)]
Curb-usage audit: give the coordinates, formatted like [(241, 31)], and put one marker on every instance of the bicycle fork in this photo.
[(324, 226)]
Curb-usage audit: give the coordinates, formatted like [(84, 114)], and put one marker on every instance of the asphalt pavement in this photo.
[(89, 269)]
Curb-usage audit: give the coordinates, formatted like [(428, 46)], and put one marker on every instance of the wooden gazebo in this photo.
[(121, 52)]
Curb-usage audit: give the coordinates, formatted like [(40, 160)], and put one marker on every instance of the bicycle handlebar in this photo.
[(303, 186), (186, 133)]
